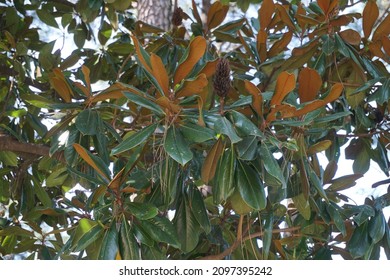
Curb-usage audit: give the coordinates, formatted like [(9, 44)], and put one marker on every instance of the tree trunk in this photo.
[(155, 12)]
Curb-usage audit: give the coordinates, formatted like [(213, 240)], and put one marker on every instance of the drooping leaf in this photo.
[(377, 227), (128, 245), (161, 230), (335, 213), (250, 186), (271, 165), (224, 181), (187, 226), (176, 146), (359, 242), (109, 246), (211, 161), (223, 126), (199, 210)]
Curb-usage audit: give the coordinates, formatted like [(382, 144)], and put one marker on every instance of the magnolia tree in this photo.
[(202, 141)]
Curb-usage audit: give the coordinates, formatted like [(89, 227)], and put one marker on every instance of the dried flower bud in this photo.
[(222, 78), (177, 16)]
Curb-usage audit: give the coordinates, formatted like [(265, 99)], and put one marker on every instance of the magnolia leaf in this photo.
[(216, 14), (210, 163), (194, 52), (109, 246), (266, 11), (309, 84), (223, 126), (95, 162), (250, 186), (176, 146), (285, 83), (370, 15)]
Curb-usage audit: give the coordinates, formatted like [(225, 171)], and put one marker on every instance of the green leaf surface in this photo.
[(176, 146), (244, 126), (359, 242), (271, 165), (187, 226), (87, 122), (199, 210), (247, 148), (196, 133), (144, 102), (335, 213), (224, 185), (128, 245), (377, 227), (142, 211), (109, 246), (223, 126), (161, 230), (134, 140), (250, 186), (89, 237)]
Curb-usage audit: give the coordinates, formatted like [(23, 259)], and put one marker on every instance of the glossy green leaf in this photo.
[(134, 140), (144, 102), (267, 236), (186, 225), (317, 184), (89, 237), (271, 165), (377, 227), (199, 210), (128, 245), (161, 230), (143, 211), (45, 16), (302, 205), (176, 146), (57, 177), (247, 148), (224, 182), (223, 126), (196, 133), (244, 126), (109, 246), (87, 122), (364, 212), (359, 242), (250, 186), (335, 213)]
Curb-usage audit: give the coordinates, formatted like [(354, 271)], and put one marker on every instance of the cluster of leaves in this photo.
[(164, 167)]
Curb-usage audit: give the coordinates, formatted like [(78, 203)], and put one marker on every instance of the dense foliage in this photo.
[(200, 142)]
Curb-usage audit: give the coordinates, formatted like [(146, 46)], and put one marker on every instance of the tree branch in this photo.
[(8, 143)]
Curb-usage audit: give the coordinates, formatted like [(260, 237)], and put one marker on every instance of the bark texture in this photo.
[(155, 12)]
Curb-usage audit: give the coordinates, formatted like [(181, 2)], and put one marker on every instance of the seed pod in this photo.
[(222, 78), (177, 16)]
